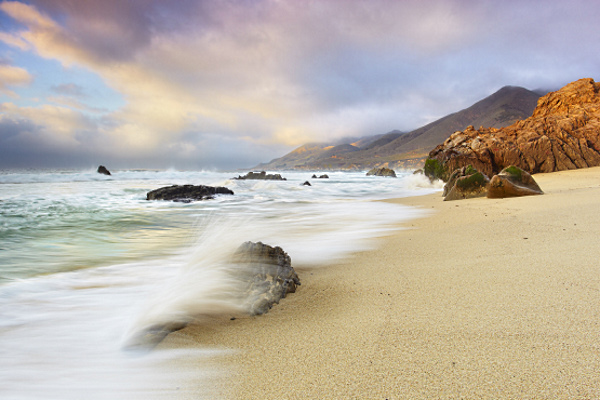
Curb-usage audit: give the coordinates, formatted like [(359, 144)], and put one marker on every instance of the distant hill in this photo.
[(399, 150)]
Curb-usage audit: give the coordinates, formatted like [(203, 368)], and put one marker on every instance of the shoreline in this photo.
[(484, 298)]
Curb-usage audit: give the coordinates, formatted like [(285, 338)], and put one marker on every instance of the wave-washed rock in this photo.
[(186, 193), (102, 170), (382, 172), (261, 176), (563, 133), (270, 275), (260, 276)]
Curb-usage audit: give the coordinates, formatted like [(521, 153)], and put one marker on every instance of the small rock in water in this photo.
[(186, 193), (382, 172), (261, 176), (102, 170)]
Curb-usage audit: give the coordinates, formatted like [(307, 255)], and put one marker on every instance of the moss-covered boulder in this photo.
[(512, 182), (434, 170), (466, 183)]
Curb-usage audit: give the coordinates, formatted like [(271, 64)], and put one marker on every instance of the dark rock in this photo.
[(186, 193), (325, 176), (512, 182), (465, 183), (382, 172), (270, 275), (563, 133), (306, 183), (262, 275), (313, 177), (102, 170), (261, 176)]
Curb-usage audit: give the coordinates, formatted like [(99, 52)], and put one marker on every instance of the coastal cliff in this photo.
[(562, 134)]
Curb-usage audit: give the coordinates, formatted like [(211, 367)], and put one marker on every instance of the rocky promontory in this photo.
[(563, 133)]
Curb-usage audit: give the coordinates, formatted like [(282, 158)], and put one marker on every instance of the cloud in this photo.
[(13, 76), (57, 126), (273, 74), (69, 89)]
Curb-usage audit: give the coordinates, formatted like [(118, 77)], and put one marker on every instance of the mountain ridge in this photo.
[(399, 150)]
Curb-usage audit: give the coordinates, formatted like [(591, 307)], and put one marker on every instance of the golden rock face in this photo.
[(562, 133)]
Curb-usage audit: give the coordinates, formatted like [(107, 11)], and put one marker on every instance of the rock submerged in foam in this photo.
[(259, 276), (270, 275)]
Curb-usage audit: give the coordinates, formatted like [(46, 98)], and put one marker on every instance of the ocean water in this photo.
[(87, 265)]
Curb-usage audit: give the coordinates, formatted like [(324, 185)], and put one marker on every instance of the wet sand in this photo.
[(483, 299)]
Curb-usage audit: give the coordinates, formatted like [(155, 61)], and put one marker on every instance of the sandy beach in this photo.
[(482, 299)]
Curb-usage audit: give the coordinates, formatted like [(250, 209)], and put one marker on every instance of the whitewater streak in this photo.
[(88, 265)]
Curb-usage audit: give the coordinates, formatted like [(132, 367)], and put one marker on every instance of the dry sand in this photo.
[(484, 299)]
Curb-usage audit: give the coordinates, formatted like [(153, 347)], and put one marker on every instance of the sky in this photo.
[(226, 84)]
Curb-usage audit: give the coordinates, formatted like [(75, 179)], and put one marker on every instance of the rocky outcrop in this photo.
[(186, 193), (269, 274), (102, 170), (563, 133), (465, 183), (260, 276), (306, 183), (382, 172), (512, 182), (325, 176), (261, 176)]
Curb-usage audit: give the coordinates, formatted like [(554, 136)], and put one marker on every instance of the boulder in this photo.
[(306, 183), (270, 275), (261, 176), (563, 133), (382, 172), (262, 275), (465, 183), (512, 182), (186, 193), (102, 170), (325, 176)]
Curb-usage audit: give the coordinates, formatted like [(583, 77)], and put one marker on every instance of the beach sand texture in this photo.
[(483, 299)]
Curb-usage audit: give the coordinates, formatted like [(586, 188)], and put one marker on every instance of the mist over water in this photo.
[(87, 265)]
